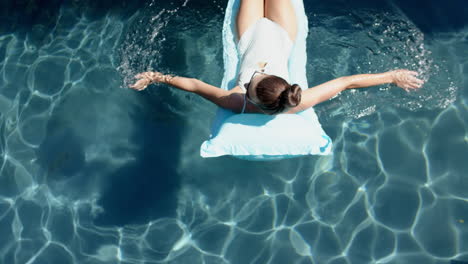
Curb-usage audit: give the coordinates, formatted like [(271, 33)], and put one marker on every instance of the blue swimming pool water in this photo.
[(92, 172)]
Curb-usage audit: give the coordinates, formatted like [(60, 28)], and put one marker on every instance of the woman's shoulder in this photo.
[(236, 89), (235, 99)]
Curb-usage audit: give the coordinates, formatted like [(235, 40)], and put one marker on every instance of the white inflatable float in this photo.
[(259, 136)]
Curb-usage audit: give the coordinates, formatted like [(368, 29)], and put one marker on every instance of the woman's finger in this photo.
[(418, 85), (134, 86), (416, 80), (414, 77), (142, 75), (140, 85), (147, 74)]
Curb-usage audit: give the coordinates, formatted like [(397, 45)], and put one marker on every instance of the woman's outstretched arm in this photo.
[(403, 78), (223, 98)]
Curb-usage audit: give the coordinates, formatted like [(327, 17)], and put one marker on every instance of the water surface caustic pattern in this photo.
[(91, 172)]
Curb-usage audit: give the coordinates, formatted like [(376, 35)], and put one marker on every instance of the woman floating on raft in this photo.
[(266, 32)]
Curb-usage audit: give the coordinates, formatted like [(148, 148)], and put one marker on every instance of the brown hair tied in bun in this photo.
[(291, 96), (276, 94)]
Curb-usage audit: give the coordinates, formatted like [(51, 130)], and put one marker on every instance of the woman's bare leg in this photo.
[(282, 12), (249, 12)]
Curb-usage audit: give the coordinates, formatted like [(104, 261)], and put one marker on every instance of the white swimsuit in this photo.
[(264, 42)]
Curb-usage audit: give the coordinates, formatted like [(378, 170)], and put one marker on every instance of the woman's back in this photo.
[(265, 42)]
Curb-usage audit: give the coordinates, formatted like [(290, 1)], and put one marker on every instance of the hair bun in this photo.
[(292, 95)]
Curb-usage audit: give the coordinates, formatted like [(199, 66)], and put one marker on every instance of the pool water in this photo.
[(92, 172)]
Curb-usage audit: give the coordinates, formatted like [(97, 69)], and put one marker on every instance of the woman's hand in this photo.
[(147, 78), (140, 84), (406, 79)]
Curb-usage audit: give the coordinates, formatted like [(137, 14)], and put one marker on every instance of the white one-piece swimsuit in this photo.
[(264, 42)]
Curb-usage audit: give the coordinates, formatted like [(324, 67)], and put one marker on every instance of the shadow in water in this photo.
[(60, 154), (146, 189), (80, 159)]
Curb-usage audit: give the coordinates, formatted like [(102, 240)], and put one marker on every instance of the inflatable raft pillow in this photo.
[(262, 137), (258, 136)]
